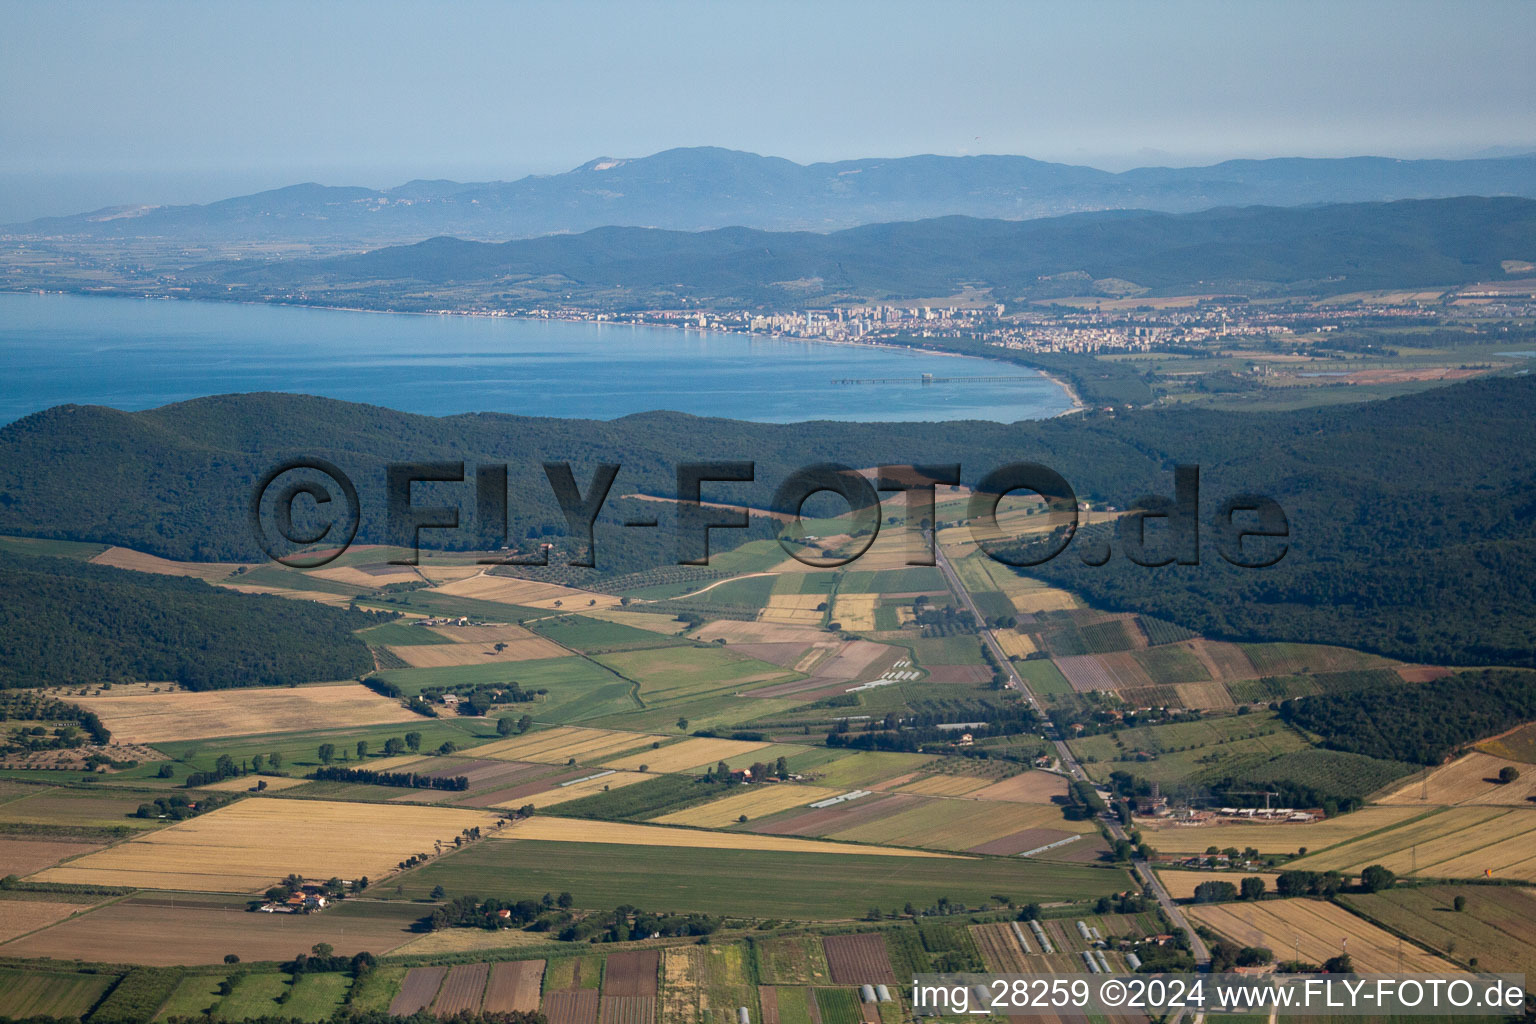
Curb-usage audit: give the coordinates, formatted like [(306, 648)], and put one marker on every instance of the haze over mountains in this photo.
[(1252, 251), (705, 188)]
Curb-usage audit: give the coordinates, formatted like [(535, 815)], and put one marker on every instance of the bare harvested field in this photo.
[(292, 594), (189, 930), (525, 648), (823, 821), (1421, 673), (514, 986), (1034, 787), (138, 561), (1023, 841), (252, 843), (571, 830), (557, 746), (584, 786), (759, 632), (571, 1006), (690, 753), (632, 973), (958, 673), (1181, 884), (17, 917), (999, 947), (849, 661), (960, 824), (1317, 930), (527, 593), (1472, 779), (462, 990), (22, 857), (754, 802), (157, 717), (656, 623), (417, 990), (1452, 842), (369, 577), (859, 959)]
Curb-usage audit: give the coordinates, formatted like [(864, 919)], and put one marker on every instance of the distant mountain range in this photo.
[(1252, 250), (704, 188)]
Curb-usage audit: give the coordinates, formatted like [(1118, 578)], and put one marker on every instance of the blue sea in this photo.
[(140, 353)]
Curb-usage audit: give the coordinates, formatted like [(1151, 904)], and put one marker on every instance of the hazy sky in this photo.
[(106, 103)]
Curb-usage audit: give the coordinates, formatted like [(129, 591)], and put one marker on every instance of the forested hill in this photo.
[(700, 188), (64, 622), (1413, 521), (1252, 250)]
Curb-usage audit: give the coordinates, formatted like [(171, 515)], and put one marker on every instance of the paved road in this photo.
[(1069, 762)]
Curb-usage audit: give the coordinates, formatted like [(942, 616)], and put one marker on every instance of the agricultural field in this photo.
[(1281, 837), (859, 959), (598, 636), (1497, 926), (252, 843), (795, 609), (584, 786), (674, 675), (793, 960), (1213, 747), (513, 986), (1454, 842), (1470, 779), (417, 990), (21, 857), (561, 745), (478, 645), (37, 993), (462, 989), (749, 804), (1517, 745), (817, 886), (1315, 930), (524, 593), (707, 984), (1181, 884), (698, 752), (968, 825), (1000, 948), (575, 830), (74, 808), (138, 561), (17, 917), (156, 717), (189, 930), (865, 768)]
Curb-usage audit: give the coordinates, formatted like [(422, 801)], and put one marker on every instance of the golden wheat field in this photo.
[(1452, 842), (528, 648), (1203, 696), (576, 790), (157, 717), (690, 753), (253, 843), (369, 580), (755, 802), (1473, 779), (1181, 884), (1282, 837), (275, 783), (319, 596), (1316, 930), (557, 746), (527, 593), (856, 612), (793, 609), (1015, 644), (575, 830), (138, 561)]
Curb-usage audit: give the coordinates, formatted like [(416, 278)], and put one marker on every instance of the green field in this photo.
[(75, 808), (751, 592), (1211, 747), (1167, 665), (676, 675), (193, 995), (298, 750), (865, 766), (52, 548), (595, 636), (35, 993), (375, 990), (794, 1005), (1043, 677), (804, 886), (316, 996), (401, 634), (254, 995), (916, 579), (792, 960), (947, 650), (837, 1006)]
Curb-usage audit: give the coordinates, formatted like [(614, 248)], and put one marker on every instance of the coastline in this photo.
[(1077, 405)]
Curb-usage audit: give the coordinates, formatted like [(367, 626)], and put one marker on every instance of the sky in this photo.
[(158, 102)]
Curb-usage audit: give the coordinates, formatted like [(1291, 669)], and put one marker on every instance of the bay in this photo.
[(137, 354)]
